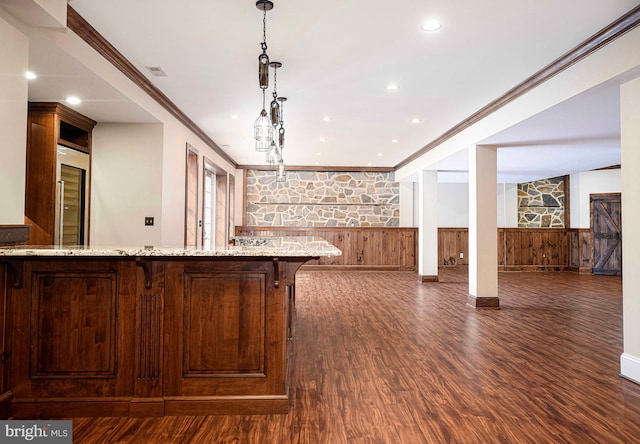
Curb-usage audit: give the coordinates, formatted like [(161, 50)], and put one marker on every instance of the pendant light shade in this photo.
[(263, 132)]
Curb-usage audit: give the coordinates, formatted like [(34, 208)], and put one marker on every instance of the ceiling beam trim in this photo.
[(606, 35)]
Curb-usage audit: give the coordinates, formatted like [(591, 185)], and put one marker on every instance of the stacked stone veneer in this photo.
[(322, 199), (541, 203)]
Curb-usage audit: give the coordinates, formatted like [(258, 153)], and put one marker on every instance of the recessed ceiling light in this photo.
[(319, 153), (430, 25), (323, 139), (317, 163), (415, 120), (392, 87), (369, 164), (327, 118), (73, 100), (235, 116), (379, 154), (30, 75), (394, 140)]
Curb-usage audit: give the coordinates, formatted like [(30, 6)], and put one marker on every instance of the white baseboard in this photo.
[(630, 367)]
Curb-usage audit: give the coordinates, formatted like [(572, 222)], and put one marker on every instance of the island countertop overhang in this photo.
[(248, 246)]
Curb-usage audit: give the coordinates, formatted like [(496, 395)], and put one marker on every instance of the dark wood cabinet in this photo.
[(145, 336), (50, 125)]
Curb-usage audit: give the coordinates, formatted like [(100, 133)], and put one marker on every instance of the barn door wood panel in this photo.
[(606, 218)]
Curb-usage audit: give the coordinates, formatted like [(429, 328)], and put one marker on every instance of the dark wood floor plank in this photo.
[(380, 357)]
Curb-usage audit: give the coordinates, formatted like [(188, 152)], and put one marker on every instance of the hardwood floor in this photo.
[(383, 358)]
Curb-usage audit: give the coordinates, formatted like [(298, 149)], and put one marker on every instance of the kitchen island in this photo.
[(150, 331)]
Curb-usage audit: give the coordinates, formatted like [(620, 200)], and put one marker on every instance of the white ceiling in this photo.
[(338, 57)]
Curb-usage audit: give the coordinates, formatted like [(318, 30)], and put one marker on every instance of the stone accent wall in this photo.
[(541, 203), (322, 199)]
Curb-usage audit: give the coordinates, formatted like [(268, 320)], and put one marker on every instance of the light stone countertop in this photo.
[(245, 246)]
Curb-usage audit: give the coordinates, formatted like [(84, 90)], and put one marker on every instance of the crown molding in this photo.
[(341, 169)]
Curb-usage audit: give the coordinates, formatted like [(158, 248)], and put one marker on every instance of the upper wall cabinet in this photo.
[(58, 174)]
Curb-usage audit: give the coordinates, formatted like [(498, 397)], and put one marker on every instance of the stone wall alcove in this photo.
[(541, 203), (322, 199)]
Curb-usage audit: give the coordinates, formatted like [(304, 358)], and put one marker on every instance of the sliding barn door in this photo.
[(606, 218)]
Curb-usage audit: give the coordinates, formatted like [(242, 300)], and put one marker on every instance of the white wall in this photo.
[(14, 62), (126, 184), (175, 136), (582, 185), (453, 205), (630, 139), (508, 205), (406, 204)]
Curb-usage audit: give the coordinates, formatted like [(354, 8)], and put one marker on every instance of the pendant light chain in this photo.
[(269, 138), (264, 29)]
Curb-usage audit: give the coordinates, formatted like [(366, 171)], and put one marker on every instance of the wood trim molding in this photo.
[(14, 234), (341, 169), (93, 38), (65, 113), (480, 302), (606, 35)]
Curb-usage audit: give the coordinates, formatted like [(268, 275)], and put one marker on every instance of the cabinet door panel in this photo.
[(74, 330), (74, 324), (224, 329), (224, 324)]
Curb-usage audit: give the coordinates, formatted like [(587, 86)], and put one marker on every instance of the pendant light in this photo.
[(263, 130)]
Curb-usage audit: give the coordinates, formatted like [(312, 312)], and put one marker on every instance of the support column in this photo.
[(428, 226), (483, 228), (630, 153)]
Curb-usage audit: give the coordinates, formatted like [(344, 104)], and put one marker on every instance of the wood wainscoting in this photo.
[(581, 244), (524, 249), (533, 249), (519, 249), (371, 248)]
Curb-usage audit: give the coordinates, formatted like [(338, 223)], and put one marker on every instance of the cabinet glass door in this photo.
[(72, 197), (72, 205)]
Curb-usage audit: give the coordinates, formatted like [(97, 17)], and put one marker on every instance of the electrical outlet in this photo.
[(461, 255), (544, 255), (148, 221)]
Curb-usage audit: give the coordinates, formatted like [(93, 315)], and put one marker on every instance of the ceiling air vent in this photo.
[(157, 71)]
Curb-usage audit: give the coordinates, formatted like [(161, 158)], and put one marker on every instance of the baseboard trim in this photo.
[(429, 278), (491, 302), (630, 367)]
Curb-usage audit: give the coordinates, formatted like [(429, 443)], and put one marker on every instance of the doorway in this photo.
[(606, 229)]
